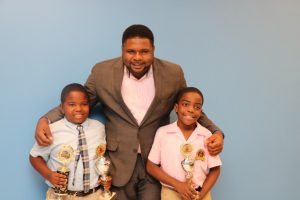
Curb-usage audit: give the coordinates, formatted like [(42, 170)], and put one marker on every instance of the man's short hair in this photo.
[(138, 30)]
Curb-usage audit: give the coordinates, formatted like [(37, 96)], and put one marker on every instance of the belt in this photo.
[(81, 193), (198, 189)]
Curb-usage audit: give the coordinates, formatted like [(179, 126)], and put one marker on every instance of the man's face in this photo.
[(137, 54)]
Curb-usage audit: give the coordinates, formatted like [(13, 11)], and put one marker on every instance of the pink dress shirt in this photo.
[(138, 94)]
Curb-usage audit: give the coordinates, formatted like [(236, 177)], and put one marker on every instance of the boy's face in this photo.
[(76, 107), (138, 55), (188, 109)]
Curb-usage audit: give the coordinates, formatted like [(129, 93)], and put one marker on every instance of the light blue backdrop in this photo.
[(243, 54)]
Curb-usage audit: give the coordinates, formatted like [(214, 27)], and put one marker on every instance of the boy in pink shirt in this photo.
[(167, 153)]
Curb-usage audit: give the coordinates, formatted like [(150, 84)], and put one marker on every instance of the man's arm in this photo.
[(215, 142), (43, 134)]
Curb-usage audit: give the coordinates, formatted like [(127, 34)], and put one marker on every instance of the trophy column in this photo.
[(102, 167), (187, 163), (64, 155)]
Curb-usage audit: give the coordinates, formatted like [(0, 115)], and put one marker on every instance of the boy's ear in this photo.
[(176, 107), (61, 108)]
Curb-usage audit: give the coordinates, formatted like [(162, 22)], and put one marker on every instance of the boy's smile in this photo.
[(188, 109), (76, 107)]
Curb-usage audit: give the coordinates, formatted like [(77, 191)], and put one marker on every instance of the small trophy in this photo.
[(102, 167), (64, 155), (187, 163)]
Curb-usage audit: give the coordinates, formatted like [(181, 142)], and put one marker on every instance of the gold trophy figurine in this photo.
[(64, 155), (187, 163), (102, 167)]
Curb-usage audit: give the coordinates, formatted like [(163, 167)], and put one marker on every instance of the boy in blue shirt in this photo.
[(83, 136)]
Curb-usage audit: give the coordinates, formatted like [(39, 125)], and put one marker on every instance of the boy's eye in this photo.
[(198, 107), (184, 104)]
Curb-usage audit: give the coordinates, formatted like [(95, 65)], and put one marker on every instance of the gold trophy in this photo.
[(187, 163), (102, 167), (64, 155)]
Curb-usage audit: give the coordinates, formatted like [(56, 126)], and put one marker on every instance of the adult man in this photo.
[(137, 92)]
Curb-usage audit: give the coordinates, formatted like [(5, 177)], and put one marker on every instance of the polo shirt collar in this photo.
[(175, 129)]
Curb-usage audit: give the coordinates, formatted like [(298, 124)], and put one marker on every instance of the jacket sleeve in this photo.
[(207, 123), (54, 114)]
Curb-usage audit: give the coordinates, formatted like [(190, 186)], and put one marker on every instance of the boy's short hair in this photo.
[(70, 88), (186, 90), (138, 30)]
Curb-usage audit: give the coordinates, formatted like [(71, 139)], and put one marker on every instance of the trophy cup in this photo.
[(102, 167), (187, 163), (64, 155)]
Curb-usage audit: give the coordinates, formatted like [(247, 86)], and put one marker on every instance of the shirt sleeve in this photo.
[(41, 151), (214, 161)]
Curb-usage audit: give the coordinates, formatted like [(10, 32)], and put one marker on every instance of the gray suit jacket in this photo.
[(122, 131)]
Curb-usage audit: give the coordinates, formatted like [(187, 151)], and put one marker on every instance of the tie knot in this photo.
[(80, 128)]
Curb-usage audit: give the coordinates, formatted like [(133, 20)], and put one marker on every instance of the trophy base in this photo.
[(60, 196), (113, 196)]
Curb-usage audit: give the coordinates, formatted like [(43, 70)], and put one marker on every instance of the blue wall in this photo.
[(243, 54)]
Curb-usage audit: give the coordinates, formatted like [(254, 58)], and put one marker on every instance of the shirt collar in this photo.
[(175, 129), (69, 124), (149, 73)]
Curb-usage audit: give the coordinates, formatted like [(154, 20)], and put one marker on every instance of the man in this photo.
[(137, 92)]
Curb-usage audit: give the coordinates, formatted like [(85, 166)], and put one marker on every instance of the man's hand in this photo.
[(43, 135), (215, 144)]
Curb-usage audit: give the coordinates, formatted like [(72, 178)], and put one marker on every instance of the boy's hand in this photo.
[(106, 183), (215, 144), (43, 135), (185, 190), (57, 179)]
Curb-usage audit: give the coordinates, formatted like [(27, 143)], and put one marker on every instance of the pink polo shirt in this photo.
[(166, 152)]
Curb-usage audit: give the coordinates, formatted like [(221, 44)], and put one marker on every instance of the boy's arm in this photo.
[(183, 188), (56, 179), (210, 181)]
